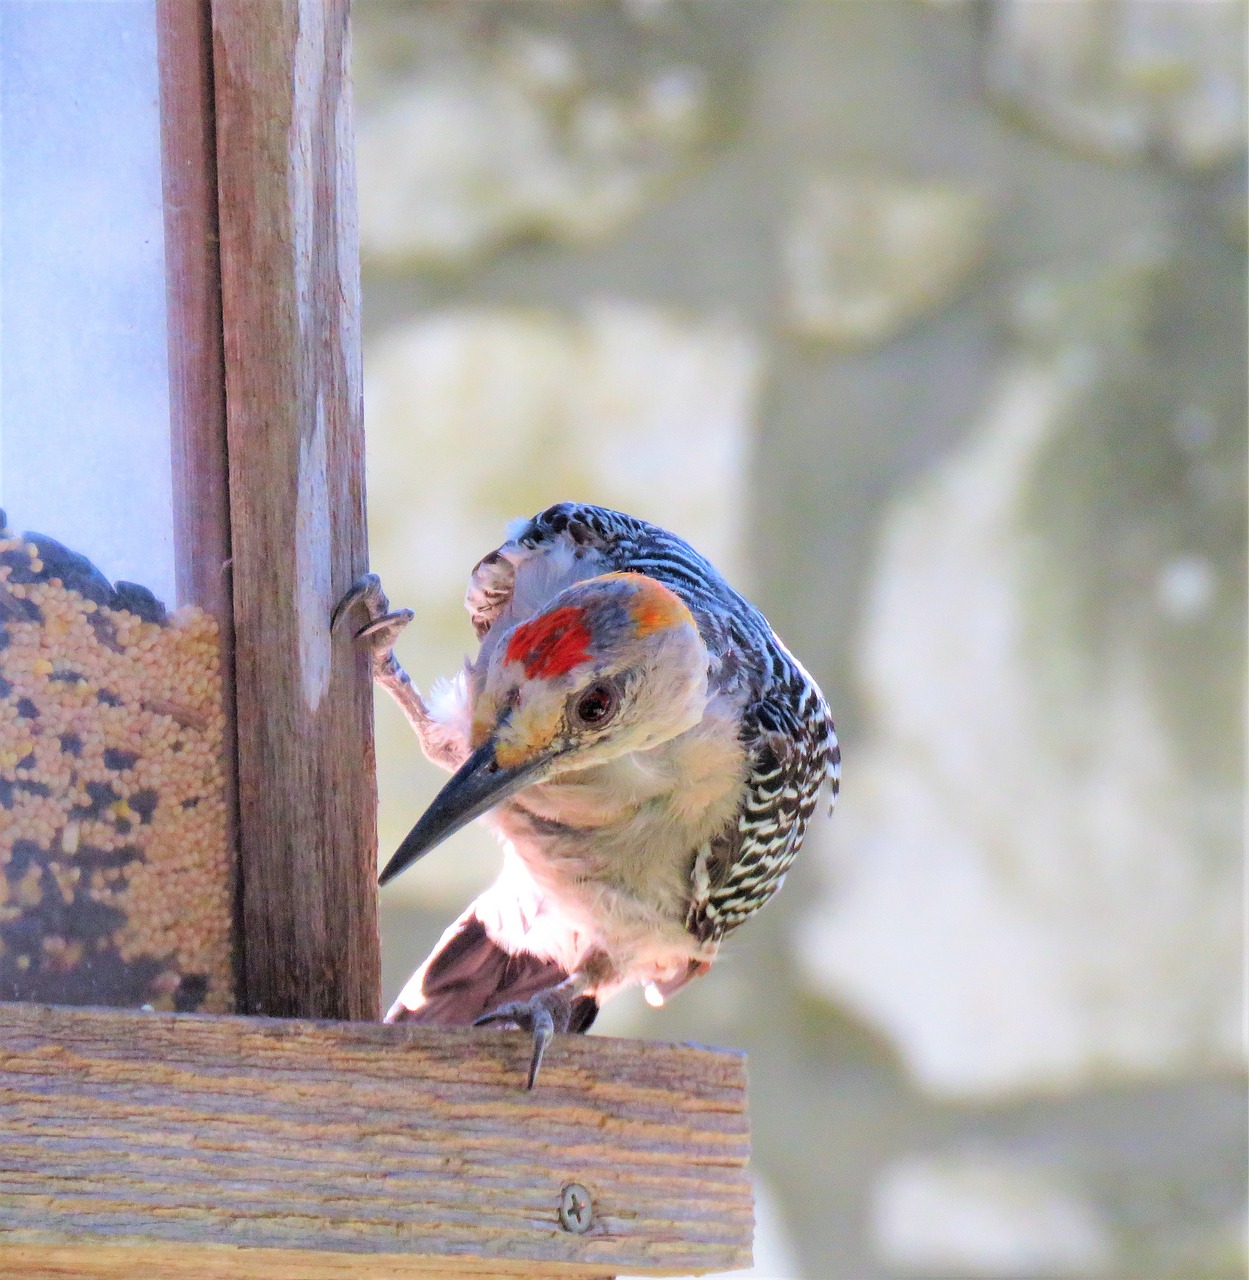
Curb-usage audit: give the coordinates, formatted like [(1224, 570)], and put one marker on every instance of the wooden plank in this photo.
[(291, 304), (196, 359), (372, 1150), (223, 1262)]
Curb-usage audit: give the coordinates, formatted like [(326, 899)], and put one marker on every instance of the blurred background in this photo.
[(926, 322)]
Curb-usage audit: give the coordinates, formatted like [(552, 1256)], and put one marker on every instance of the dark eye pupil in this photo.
[(596, 705)]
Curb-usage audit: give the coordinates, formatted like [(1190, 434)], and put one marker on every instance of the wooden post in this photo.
[(291, 308)]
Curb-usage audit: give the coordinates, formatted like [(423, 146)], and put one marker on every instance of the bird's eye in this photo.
[(596, 705)]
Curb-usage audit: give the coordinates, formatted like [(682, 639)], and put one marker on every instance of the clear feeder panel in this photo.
[(116, 861)]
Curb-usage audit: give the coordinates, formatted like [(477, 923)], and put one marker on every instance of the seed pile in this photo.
[(115, 873)]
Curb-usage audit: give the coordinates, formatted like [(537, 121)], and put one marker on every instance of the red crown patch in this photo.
[(551, 645)]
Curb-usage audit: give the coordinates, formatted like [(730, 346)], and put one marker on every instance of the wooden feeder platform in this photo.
[(186, 1146)]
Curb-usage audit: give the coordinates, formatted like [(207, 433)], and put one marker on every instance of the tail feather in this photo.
[(469, 974)]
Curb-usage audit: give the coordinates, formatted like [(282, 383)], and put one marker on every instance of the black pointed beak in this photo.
[(478, 785)]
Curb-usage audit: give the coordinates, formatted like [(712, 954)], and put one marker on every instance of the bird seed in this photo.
[(116, 871)]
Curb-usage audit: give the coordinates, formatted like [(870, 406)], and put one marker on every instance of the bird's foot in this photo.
[(377, 626), (542, 1015), (381, 624)]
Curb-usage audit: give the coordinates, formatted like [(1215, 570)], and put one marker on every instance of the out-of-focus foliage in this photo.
[(1081, 588), (1129, 78), (491, 131), (927, 323), (864, 256)]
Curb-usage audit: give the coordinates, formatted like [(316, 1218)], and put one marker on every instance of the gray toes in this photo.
[(365, 592), (380, 624)]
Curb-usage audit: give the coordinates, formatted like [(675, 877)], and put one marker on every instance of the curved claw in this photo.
[(383, 624), (543, 1034), (535, 1016), (367, 587)]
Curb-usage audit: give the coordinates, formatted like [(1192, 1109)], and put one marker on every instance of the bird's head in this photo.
[(612, 665)]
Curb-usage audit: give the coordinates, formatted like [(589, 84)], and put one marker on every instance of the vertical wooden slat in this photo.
[(291, 305), (196, 362), (193, 305)]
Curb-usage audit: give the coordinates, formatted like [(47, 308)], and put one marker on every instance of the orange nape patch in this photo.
[(551, 645), (655, 608)]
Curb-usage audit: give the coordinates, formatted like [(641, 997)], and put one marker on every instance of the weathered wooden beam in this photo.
[(290, 292), (193, 309), (197, 410), (186, 1146)]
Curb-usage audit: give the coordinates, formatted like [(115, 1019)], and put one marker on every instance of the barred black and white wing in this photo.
[(793, 751)]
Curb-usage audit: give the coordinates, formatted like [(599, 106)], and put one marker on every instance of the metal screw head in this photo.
[(576, 1210)]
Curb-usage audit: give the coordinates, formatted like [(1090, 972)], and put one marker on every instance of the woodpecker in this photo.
[(646, 748)]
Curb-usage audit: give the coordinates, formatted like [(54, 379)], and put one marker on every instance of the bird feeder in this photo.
[(117, 842), (187, 784)]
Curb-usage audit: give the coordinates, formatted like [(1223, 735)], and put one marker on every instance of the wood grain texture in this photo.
[(291, 306), (197, 410), (226, 1262), (370, 1149), (193, 306)]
